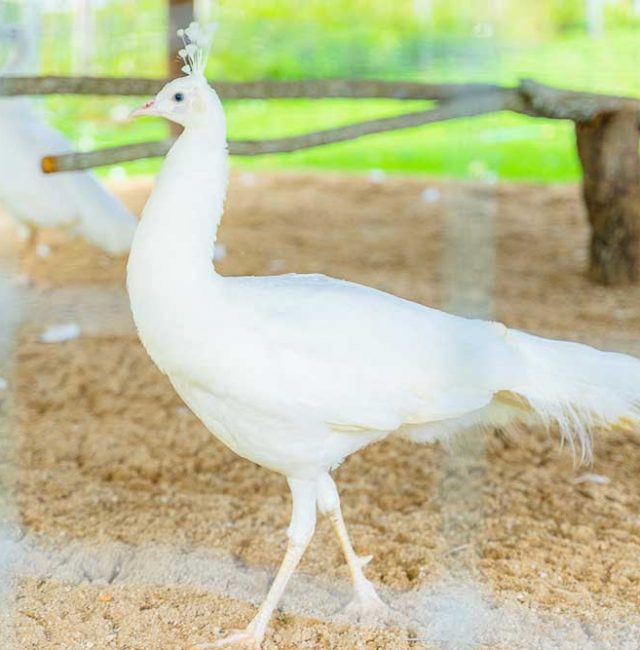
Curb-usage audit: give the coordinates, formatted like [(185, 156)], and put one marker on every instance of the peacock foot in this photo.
[(367, 606)]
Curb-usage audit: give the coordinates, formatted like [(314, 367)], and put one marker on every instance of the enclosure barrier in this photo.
[(607, 134)]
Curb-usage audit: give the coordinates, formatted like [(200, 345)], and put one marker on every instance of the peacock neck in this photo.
[(176, 237)]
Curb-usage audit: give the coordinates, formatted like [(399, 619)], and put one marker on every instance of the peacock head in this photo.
[(189, 100)]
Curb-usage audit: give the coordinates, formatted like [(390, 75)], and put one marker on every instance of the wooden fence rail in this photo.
[(485, 103), (316, 88)]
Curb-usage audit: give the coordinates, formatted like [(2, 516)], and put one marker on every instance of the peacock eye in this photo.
[(179, 97)]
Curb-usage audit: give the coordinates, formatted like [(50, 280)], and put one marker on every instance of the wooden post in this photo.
[(180, 15), (608, 151), (82, 38), (595, 18)]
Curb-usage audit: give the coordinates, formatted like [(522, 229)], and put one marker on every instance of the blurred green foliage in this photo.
[(432, 40)]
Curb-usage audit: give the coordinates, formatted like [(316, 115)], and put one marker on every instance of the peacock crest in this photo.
[(197, 42)]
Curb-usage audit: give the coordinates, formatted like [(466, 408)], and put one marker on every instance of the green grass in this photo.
[(485, 146), (504, 145)]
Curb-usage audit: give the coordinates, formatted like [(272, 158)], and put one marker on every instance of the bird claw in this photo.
[(246, 639), (367, 606)]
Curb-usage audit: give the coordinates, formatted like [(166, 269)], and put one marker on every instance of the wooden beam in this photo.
[(262, 89), (537, 100), (478, 105), (557, 103)]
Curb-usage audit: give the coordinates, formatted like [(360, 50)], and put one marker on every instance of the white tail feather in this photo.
[(576, 387), (573, 387)]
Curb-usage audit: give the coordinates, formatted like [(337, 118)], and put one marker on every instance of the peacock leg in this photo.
[(303, 521), (365, 603)]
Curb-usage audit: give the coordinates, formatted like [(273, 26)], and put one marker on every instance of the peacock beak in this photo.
[(147, 109)]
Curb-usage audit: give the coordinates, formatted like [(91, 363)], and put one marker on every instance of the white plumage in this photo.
[(296, 372), (75, 201)]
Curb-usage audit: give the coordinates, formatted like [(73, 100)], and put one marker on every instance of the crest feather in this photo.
[(197, 43)]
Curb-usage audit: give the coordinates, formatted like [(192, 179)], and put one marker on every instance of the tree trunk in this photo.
[(608, 151)]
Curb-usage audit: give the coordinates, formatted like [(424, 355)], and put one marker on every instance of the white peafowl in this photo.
[(74, 201), (297, 372)]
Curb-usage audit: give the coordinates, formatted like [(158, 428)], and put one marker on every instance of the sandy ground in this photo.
[(138, 530)]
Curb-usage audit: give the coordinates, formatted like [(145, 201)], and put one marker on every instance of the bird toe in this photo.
[(367, 606)]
